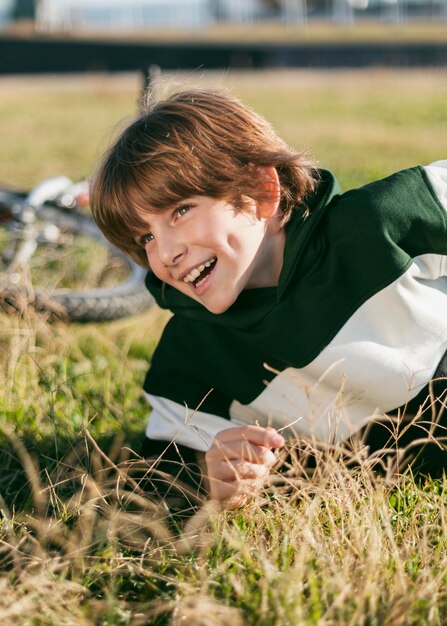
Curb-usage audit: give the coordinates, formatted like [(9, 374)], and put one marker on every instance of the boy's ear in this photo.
[(268, 203)]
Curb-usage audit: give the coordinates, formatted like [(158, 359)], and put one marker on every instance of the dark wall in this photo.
[(24, 9), (40, 55)]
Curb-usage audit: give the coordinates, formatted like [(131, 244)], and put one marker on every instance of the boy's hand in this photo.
[(239, 462)]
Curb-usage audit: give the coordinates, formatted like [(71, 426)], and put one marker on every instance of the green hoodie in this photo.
[(356, 325)]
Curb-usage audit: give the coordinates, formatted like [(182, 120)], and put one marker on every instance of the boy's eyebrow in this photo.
[(139, 231)]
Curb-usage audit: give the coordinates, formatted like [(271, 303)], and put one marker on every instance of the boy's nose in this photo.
[(171, 251)]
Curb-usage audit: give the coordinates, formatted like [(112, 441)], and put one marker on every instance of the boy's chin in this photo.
[(213, 305), (217, 308)]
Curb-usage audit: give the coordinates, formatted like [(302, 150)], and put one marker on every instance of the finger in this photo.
[(240, 449), (221, 490), (237, 501), (267, 437), (240, 497), (226, 490), (241, 470)]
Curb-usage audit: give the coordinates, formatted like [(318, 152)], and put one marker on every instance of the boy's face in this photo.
[(210, 252)]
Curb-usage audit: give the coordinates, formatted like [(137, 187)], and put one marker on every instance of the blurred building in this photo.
[(136, 14), (52, 15), (6, 8)]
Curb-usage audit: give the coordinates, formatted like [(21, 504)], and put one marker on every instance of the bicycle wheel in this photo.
[(79, 276)]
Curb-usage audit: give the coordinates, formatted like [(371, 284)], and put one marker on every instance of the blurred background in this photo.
[(137, 14), (360, 82)]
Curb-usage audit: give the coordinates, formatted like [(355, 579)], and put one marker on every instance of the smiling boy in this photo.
[(337, 301)]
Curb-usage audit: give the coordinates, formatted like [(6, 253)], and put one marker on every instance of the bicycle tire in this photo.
[(123, 299)]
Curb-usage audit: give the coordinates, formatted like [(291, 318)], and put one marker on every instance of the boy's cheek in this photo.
[(156, 271)]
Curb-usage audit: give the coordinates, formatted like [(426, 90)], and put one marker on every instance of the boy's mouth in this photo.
[(197, 275)]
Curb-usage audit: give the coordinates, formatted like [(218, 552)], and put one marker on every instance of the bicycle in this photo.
[(54, 258)]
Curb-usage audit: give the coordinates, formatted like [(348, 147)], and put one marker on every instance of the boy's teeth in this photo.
[(195, 273)]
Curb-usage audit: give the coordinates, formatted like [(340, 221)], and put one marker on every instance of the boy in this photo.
[(293, 304)]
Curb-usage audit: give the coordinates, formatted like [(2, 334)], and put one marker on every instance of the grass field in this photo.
[(80, 543)]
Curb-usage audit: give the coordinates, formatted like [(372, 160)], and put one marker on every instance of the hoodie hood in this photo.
[(253, 304)]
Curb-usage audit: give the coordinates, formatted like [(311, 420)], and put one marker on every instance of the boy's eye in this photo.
[(181, 210), (145, 239)]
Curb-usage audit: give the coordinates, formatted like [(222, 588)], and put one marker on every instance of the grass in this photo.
[(80, 541), (313, 31), (377, 122)]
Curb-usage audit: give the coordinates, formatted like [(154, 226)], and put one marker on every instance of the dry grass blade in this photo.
[(41, 593)]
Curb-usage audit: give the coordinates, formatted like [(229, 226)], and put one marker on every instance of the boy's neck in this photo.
[(271, 256)]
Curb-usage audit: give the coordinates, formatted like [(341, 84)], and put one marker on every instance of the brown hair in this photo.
[(196, 142)]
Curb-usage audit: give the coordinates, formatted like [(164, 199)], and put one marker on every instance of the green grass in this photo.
[(60, 124), (80, 543)]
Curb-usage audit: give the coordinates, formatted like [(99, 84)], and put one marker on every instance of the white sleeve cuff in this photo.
[(173, 422)]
